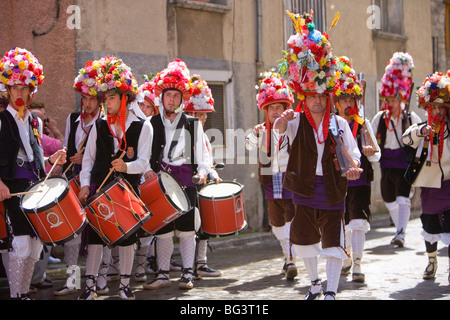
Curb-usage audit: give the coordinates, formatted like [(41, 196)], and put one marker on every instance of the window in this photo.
[(216, 120), (319, 8), (391, 16)]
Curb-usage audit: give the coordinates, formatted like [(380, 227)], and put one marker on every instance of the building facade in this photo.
[(228, 42)]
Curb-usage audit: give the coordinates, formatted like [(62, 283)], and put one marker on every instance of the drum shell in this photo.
[(222, 216), (153, 194), (118, 191), (3, 227), (59, 221), (75, 185)]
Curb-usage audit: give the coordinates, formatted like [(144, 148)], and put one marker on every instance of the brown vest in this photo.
[(300, 174)]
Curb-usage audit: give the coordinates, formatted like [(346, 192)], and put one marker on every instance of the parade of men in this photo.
[(333, 185)]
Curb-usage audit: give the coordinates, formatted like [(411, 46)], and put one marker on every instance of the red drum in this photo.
[(166, 199), (75, 185), (3, 228), (54, 211), (222, 209), (116, 212)]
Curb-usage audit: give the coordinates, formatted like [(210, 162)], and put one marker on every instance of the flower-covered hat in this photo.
[(85, 82), (20, 67), (175, 76), (201, 99), (309, 60), (147, 92), (347, 82), (397, 79), (273, 89), (117, 77), (435, 88)]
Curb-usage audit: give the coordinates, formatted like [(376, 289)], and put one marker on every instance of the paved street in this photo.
[(251, 265)]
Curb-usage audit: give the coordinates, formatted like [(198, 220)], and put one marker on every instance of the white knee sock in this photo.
[(358, 239), (333, 267), (126, 257), (202, 248), (393, 211), (141, 257), (15, 277), (280, 234), (187, 250), (28, 269), (93, 260), (71, 253), (104, 267), (164, 249), (311, 265), (404, 213)]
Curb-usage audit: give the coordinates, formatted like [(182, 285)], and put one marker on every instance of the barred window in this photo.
[(391, 16), (319, 8)]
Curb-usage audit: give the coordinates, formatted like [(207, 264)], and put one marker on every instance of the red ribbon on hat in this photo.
[(114, 118), (439, 127)]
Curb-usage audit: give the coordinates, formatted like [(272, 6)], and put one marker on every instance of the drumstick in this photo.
[(71, 164), (110, 172), (53, 167), (24, 193)]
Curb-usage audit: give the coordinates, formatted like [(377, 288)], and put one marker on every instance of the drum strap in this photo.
[(176, 136)]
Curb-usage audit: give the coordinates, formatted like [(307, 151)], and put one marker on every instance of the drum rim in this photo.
[(223, 197), (172, 203), (49, 205)]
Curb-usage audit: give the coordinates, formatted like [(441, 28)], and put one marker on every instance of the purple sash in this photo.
[(319, 200), (182, 173), (436, 201)]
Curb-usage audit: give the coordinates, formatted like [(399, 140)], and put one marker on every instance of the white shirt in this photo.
[(80, 135), (24, 132), (280, 156), (179, 156), (347, 138), (391, 140), (138, 166)]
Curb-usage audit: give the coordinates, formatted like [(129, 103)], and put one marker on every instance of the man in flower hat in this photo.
[(389, 125), (199, 106), (22, 162), (430, 169), (170, 153), (120, 133), (348, 91), (318, 186), (274, 97), (78, 126), (146, 97)]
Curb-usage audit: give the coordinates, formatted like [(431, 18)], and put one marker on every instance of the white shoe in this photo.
[(161, 281), (316, 290), (140, 277), (329, 296), (205, 271), (64, 291)]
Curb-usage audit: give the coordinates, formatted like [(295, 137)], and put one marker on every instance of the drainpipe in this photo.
[(259, 33)]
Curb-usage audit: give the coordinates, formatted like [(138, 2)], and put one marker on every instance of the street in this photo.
[(251, 264)]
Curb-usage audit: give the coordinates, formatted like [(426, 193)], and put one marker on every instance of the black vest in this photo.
[(365, 163), (159, 140), (105, 152), (71, 147), (10, 144), (382, 130)]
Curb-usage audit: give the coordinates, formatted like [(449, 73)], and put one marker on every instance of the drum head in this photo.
[(221, 190), (52, 189), (174, 191)]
